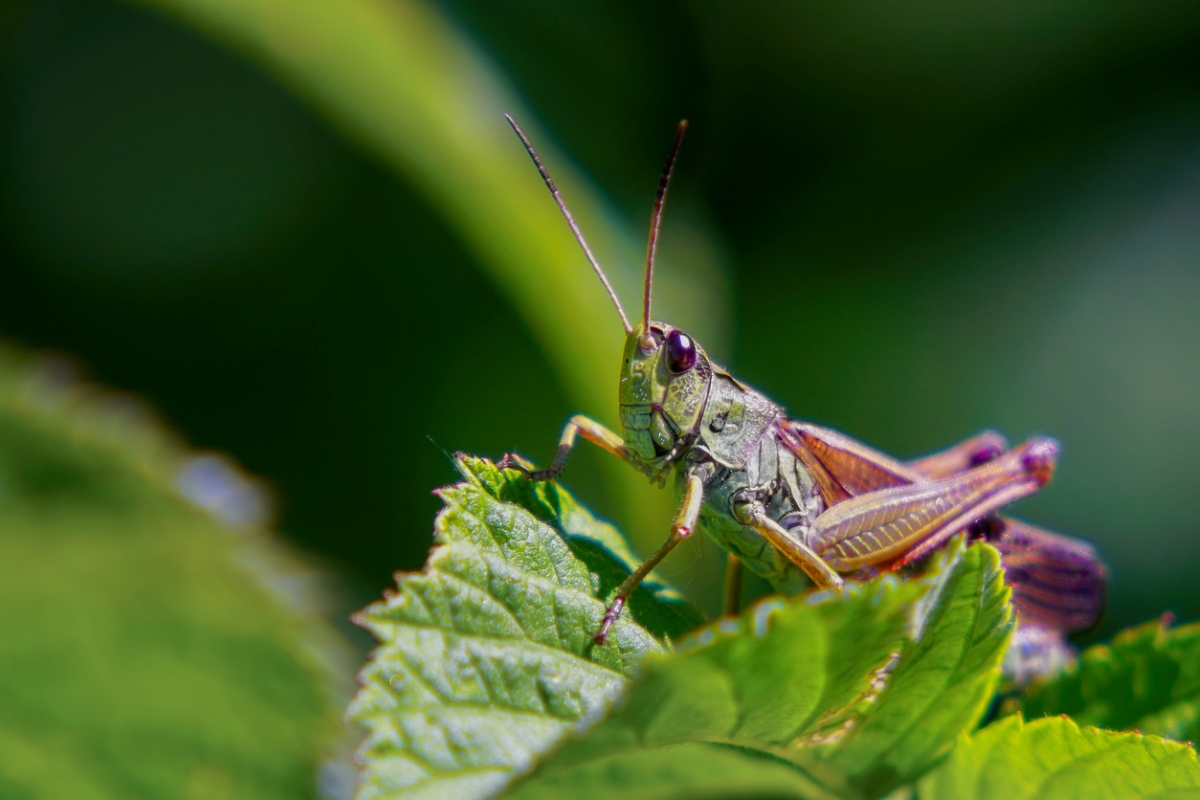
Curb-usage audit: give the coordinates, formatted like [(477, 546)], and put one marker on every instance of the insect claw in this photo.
[(1040, 459), (513, 461)]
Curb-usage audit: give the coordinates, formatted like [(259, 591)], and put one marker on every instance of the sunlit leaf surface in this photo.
[(942, 683), (1054, 758), (835, 687)]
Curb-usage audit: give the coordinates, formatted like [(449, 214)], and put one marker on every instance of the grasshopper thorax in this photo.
[(664, 385)]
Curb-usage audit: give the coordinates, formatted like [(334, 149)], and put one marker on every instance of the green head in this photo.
[(664, 373), (664, 384)]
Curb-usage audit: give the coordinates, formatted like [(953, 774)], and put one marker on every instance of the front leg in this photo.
[(579, 424), (682, 528)]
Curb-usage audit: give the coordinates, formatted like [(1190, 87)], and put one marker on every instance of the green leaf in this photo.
[(143, 654), (812, 681), (941, 685), (1148, 678), (1054, 758), (773, 674), (486, 659), (487, 673), (655, 605), (681, 771)]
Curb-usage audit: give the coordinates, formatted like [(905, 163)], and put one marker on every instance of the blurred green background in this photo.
[(910, 221)]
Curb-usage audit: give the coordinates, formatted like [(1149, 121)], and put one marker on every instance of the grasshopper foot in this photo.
[(514, 461)]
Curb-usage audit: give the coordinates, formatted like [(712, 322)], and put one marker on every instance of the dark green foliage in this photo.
[(1147, 679)]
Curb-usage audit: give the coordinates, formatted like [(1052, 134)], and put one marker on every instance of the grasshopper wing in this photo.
[(1057, 582), (841, 466)]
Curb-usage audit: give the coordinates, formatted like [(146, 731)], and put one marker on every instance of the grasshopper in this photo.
[(797, 503)]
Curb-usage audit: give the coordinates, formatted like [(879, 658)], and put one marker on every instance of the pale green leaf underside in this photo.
[(1053, 758), (1148, 678)]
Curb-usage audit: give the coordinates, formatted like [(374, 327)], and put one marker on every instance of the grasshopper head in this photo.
[(664, 383), (665, 374)]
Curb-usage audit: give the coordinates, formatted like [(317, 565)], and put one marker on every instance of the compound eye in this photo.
[(681, 352)]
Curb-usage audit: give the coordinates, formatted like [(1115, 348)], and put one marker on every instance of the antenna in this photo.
[(566, 212), (656, 220)]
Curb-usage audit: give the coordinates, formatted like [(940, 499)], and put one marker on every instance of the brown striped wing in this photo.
[(843, 467)]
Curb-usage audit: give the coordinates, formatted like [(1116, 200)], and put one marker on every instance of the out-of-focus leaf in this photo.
[(486, 659), (1148, 678), (142, 655), (1053, 758)]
